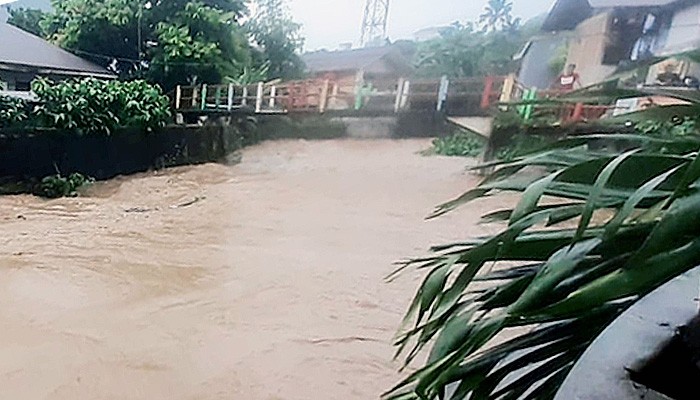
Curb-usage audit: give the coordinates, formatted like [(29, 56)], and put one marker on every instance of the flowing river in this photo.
[(258, 281)]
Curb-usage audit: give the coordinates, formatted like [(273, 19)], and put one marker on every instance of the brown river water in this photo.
[(261, 280)]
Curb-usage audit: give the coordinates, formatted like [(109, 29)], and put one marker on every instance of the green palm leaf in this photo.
[(565, 285)]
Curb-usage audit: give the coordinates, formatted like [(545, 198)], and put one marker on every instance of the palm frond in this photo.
[(563, 284)]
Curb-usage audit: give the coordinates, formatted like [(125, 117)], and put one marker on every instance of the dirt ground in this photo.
[(258, 281)]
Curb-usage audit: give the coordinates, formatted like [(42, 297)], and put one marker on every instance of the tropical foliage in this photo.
[(12, 111), (29, 20), (56, 186), (460, 143), (478, 48), (172, 42), (277, 38), (498, 16), (88, 106), (593, 232), (168, 42), (93, 106)]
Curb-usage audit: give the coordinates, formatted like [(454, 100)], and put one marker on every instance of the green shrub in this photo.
[(521, 145), (13, 111), (56, 186), (93, 106), (459, 144), (673, 127)]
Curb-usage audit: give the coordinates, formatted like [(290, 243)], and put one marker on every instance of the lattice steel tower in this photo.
[(374, 22)]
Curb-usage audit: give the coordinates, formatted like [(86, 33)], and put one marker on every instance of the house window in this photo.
[(23, 86), (635, 36), (623, 34)]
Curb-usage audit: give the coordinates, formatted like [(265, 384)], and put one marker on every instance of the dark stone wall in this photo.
[(35, 154)]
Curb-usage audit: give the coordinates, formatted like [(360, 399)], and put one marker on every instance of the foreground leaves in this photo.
[(627, 224)]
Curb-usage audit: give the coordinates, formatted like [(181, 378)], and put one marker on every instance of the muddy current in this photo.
[(261, 280)]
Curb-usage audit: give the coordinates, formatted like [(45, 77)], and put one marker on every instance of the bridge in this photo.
[(467, 102)]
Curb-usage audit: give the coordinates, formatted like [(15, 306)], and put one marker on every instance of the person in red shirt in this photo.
[(569, 80)]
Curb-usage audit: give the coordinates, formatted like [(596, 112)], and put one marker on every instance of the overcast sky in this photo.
[(328, 23)]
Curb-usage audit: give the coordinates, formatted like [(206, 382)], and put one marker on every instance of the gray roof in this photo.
[(567, 14), (22, 50), (353, 60)]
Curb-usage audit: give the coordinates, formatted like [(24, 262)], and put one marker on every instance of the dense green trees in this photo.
[(477, 49), (174, 42), (277, 39), (28, 19), (169, 42), (463, 51)]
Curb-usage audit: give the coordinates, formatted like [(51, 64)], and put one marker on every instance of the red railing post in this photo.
[(488, 92), (578, 112)]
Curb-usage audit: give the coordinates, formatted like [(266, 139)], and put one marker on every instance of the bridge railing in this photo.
[(565, 111), (457, 96)]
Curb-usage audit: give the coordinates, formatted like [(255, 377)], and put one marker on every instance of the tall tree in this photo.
[(498, 16), (171, 42), (27, 19), (462, 51), (277, 38)]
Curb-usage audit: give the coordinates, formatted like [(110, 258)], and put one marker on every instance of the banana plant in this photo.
[(594, 231)]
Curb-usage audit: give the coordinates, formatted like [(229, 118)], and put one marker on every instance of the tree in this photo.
[(462, 51), (28, 20), (170, 42), (563, 285), (498, 16), (278, 39)]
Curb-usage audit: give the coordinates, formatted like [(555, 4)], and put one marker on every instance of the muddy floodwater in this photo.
[(256, 281)]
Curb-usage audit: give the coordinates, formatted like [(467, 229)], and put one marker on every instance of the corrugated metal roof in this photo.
[(23, 49), (346, 60)]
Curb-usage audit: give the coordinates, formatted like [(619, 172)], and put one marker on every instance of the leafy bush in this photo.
[(56, 186), (13, 111), (460, 144), (93, 106), (674, 127), (521, 145)]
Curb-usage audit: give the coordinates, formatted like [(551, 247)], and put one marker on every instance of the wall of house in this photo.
[(684, 34), (587, 49)]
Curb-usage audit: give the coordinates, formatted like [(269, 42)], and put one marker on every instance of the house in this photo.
[(371, 64), (24, 57), (377, 69), (603, 35)]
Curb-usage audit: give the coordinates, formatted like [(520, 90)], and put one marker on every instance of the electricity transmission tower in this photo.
[(374, 22)]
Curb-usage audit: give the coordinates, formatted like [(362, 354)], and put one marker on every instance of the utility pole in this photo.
[(374, 22)]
